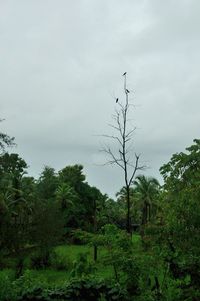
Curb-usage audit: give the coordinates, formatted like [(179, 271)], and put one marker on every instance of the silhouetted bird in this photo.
[(117, 100), (124, 74), (127, 91)]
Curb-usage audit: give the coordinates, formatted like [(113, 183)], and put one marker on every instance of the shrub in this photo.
[(28, 283), (6, 290), (40, 259), (59, 261), (82, 267), (85, 289)]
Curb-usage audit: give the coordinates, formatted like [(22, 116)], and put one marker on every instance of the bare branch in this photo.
[(130, 132), (136, 167), (114, 127), (113, 137), (114, 158)]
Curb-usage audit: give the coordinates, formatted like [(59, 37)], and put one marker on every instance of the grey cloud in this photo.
[(60, 70)]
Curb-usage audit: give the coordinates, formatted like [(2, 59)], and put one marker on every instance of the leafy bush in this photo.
[(33, 294), (59, 261), (6, 291), (85, 289), (40, 259), (82, 267), (28, 282)]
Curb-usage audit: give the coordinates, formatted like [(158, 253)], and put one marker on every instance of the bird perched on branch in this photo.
[(127, 91), (124, 74), (117, 100)]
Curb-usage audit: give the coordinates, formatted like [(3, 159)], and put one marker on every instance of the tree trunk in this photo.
[(149, 212), (95, 253), (128, 220)]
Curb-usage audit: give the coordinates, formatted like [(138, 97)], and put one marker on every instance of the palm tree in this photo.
[(147, 189), (65, 195)]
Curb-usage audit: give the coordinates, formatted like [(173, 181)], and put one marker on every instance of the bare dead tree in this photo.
[(124, 156)]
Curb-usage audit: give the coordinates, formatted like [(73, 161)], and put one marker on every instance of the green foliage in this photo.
[(47, 184), (119, 255), (40, 259), (6, 291), (174, 234), (47, 224), (27, 282), (14, 207), (82, 267), (147, 191), (72, 175), (5, 140), (162, 264), (120, 208), (112, 212), (93, 288), (60, 261), (65, 195), (12, 164), (86, 288), (182, 211), (11, 290)]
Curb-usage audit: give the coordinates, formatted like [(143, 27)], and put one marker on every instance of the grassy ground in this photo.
[(68, 255)]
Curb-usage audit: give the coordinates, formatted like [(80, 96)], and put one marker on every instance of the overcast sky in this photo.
[(61, 66)]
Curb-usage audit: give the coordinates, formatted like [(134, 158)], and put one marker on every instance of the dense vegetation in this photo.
[(61, 239)]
